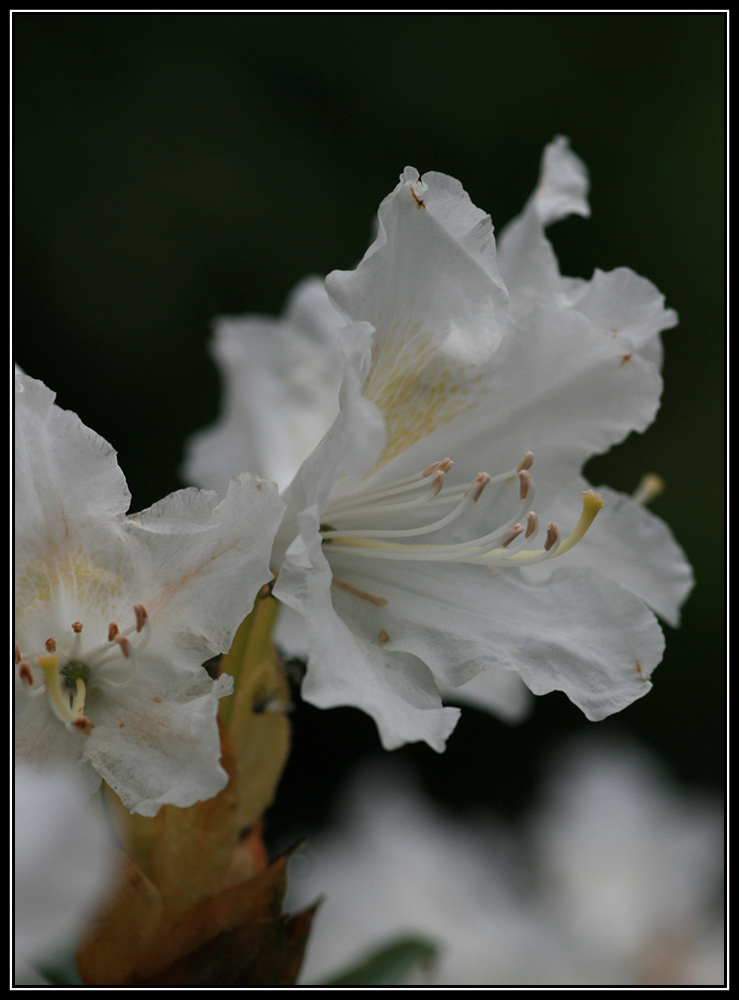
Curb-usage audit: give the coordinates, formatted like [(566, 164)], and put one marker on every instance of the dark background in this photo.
[(170, 168)]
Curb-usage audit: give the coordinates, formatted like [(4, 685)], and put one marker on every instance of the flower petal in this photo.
[(154, 750), (345, 666), (64, 862), (525, 256), (578, 633), (205, 559), (623, 304), (430, 275), (573, 396), (281, 381), (632, 546), (499, 692), (66, 475)]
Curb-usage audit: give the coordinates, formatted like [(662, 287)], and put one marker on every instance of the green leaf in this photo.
[(390, 965)]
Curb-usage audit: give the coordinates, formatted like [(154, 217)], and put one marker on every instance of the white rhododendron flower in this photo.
[(115, 615), (613, 879), (475, 379), (281, 380)]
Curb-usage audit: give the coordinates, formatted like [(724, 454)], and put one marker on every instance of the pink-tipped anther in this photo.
[(24, 672), (526, 462), (50, 645), (552, 537), (124, 644), (77, 626), (511, 534), (17, 653), (525, 479), (444, 465), (113, 631), (140, 611), (477, 485), (532, 524), (437, 481)]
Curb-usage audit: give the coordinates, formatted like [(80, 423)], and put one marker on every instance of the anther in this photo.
[(124, 644), (17, 653), (437, 481), (83, 724), (140, 611), (113, 631), (24, 671), (511, 534), (526, 462), (50, 645), (525, 480), (552, 537), (76, 626), (444, 465), (477, 485), (532, 524)]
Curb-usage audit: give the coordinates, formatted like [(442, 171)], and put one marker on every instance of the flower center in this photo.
[(425, 496), (67, 671)]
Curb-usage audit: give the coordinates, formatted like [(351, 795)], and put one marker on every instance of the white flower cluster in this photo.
[(374, 404)]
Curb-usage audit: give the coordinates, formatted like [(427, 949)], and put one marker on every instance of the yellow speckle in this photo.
[(156, 698), (383, 636), (416, 389)]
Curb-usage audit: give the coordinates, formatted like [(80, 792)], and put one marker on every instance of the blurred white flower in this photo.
[(613, 880), (281, 380), (410, 586), (115, 615), (631, 866), (64, 865)]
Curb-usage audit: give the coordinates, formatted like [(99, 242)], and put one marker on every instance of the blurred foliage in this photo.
[(390, 965), (172, 167)]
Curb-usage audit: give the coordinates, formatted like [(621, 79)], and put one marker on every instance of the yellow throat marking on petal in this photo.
[(83, 582), (416, 389)]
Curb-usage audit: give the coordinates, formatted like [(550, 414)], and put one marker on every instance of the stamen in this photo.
[(478, 485), (112, 631), (76, 626), (125, 645), (141, 616), (505, 545), (514, 532), (526, 482), (24, 672), (552, 537), (17, 653), (437, 481), (445, 465), (50, 645)]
